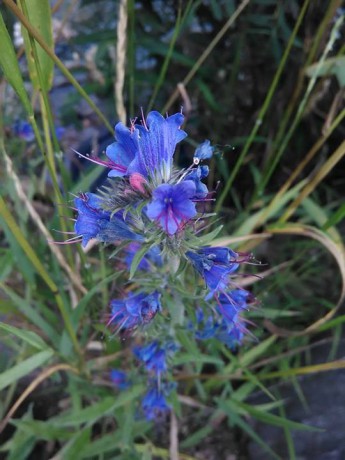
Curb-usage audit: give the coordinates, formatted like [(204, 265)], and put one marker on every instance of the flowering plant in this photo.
[(157, 214)]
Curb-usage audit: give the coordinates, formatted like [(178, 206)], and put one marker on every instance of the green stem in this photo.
[(165, 65), (263, 109), (206, 53), (273, 163)]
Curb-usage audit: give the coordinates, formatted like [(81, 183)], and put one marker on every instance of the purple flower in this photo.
[(154, 403), (24, 130), (230, 306), (232, 303), (172, 205), (94, 222), (203, 152), (233, 336), (205, 328), (227, 324), (146, 149), (133, 311), (195, 175), (214, 265), (122, 152), (151, 258), (154, 356), (119, 379)]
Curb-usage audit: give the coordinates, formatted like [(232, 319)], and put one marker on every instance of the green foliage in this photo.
[(281, 198)]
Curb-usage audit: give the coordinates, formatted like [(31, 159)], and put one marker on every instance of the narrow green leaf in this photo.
[(104, 407), (275, 420), (137, 259), (33, 315), (71, 450), (184, 358), (254, 353), (229, 408), (28, 336), (39, 15), (336, 217), (10, 67), (43, 430), (197, 436), (106, 443), (23, 368)]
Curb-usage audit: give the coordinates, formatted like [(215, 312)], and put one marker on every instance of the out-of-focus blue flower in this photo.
[(154, 356), (230, 304), (214, 265), (233, 336), (172, 205), (133, 311), (24, 130), (232, 330), (195, 175), (228, 325), (119, 379), (146, 149), (154, 403), (152, 257), (205, 328), (94, 222), (203, 152)]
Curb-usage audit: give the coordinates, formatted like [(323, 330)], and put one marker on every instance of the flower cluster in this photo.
[(154, 356), (156, 214)]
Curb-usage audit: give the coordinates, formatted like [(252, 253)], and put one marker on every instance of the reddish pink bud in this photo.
[(137, 182)]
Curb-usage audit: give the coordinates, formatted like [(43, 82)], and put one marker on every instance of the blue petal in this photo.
[(204, 151), (157, 143), (123, 151)]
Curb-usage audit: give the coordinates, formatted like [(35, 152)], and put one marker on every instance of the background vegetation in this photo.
[(264, 81)]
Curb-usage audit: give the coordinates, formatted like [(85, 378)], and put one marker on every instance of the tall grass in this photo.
[(277, 195)]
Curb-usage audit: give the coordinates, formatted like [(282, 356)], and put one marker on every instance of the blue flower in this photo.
[(172, 205), (233, 336), (122, 152), (205, 328), (230, 304), (227, 325), (214, 265), (24, 130), (154, 356), (154, 403), (195, 175), (151, 258), (133, 311), (203, 152), (119, 379), (94, 222), (146, 149)]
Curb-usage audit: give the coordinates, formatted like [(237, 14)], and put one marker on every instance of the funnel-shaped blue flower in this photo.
[(154, 403), (154, 356), (203, 152), (119, 379), (214, 265), (146, 149), (94, 222), (133, 311)]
